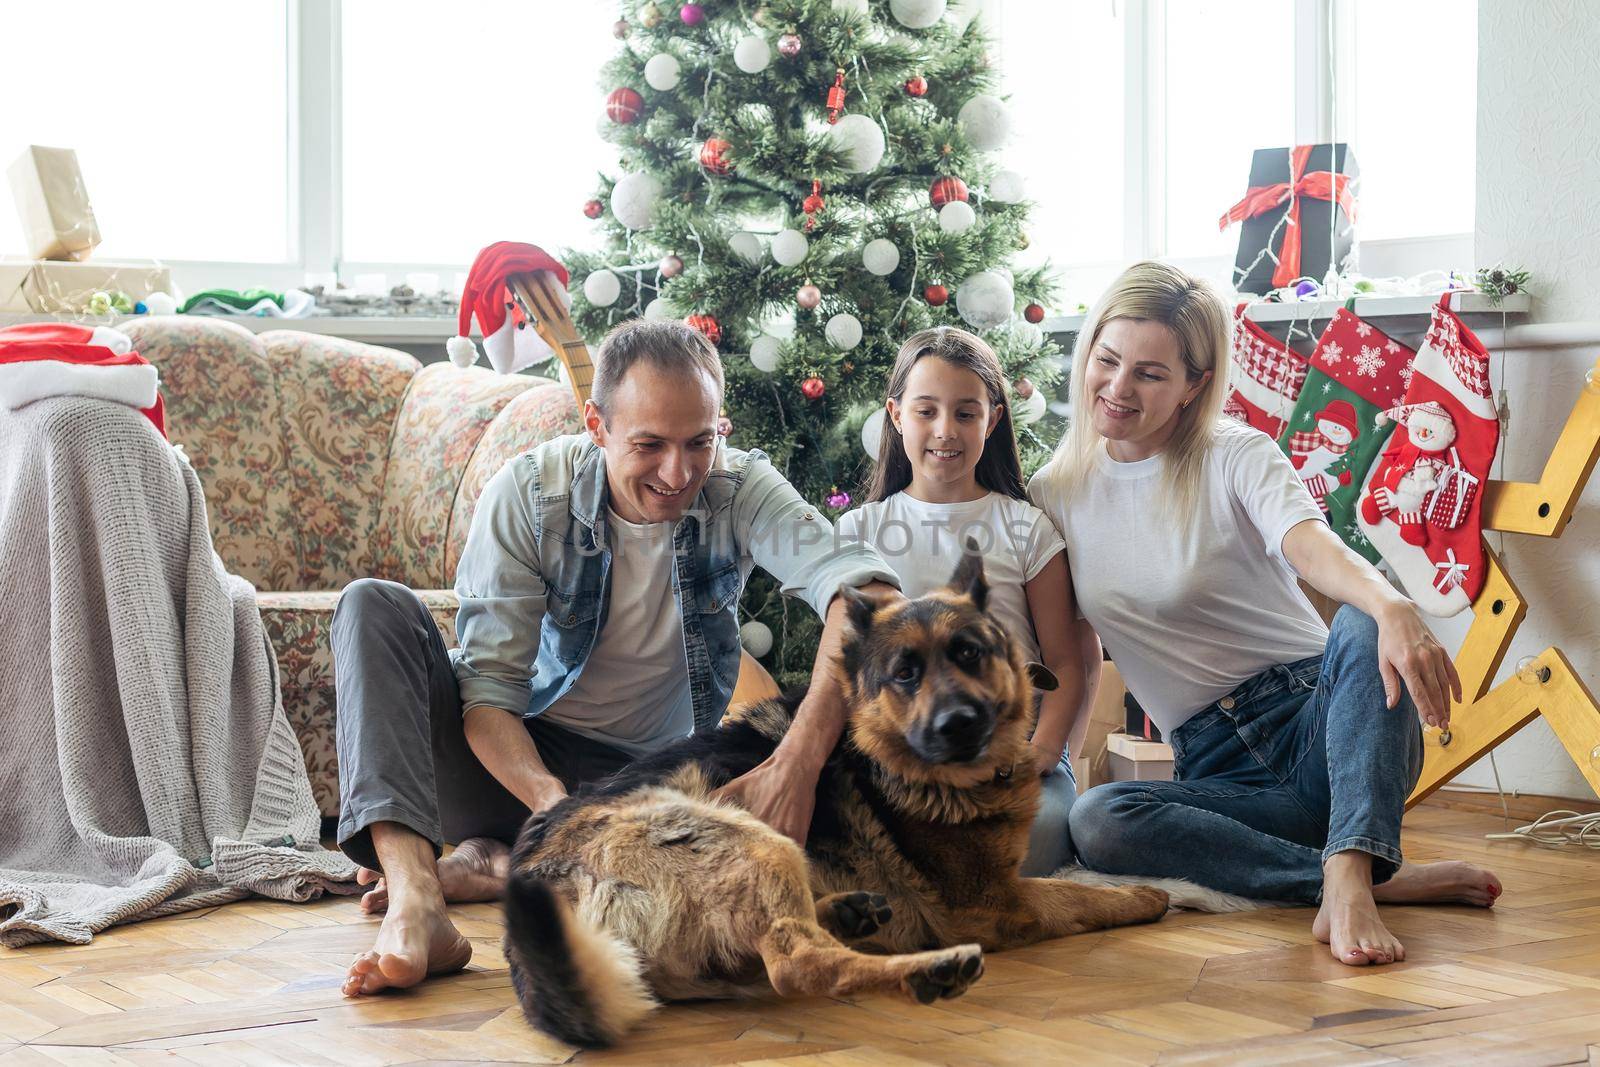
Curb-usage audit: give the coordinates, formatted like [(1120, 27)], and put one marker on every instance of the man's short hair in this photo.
[(671, 346)]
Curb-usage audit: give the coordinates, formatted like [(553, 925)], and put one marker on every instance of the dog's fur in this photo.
[(642, 887)]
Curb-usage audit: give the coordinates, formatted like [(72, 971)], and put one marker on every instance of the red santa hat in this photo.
[(508, 338), (1340, 413), (41, 359)]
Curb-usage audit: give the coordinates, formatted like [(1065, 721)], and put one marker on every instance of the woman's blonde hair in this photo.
[(1193, 311)]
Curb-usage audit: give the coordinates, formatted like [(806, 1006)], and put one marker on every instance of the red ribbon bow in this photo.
[(1259, 199)]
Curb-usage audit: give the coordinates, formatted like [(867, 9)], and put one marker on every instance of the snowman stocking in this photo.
[(1267, 377), (1357, 373), (1421, 506)]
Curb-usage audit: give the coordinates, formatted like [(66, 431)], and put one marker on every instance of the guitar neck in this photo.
[(540, 295)]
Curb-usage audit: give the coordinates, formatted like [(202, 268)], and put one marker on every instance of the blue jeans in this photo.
[(1298, 763), (1049, 842)]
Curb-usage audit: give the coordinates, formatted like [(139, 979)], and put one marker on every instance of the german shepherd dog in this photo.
[(641, 887)]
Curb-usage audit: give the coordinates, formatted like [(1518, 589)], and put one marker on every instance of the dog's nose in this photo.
[(953, 724)]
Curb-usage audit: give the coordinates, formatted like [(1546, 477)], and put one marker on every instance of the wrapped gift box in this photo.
[(57, 221), (1133, 759), (1089, 754), (13, 273), (1317, 217), (65, 288)]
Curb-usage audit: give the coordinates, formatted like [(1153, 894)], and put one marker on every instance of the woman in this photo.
[(1295, 747)]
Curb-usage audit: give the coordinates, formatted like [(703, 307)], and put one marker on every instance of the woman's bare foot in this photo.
[(416, 940), (1446, 882), (475, 871), (1348, 921)]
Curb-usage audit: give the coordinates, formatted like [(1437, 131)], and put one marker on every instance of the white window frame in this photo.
[(314, 152)]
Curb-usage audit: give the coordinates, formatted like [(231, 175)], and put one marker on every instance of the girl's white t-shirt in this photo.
[(922, 543), (1189, 609)]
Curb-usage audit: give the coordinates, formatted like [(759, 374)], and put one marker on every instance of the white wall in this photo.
[(1538, 161)]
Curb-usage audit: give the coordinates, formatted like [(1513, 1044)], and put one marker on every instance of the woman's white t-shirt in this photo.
[(1189, 609), (922, 543)]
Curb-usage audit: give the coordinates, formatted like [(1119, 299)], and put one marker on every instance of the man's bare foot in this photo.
[(1348, 921), (416, 940), (475, 871), (1446, 882)]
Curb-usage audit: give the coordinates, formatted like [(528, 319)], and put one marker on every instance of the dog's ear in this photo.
[(968, 578), (1042, 677), (859, 609)]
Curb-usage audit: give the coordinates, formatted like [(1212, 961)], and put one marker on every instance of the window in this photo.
[(464, 127), (1415, 82), (1230, 89), (179, 118)]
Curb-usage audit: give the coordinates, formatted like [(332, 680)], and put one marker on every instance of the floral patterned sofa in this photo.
[(326, 460)]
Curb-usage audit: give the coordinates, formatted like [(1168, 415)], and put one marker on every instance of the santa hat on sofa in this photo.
[(508, 337), (41, 359)]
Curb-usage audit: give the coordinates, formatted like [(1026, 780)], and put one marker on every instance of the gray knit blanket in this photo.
[(146, 766)]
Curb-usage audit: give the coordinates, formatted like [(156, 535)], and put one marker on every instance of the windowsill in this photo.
[(373, 329)]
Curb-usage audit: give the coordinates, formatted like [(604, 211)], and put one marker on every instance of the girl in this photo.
[(948, 470), (1295, 748)]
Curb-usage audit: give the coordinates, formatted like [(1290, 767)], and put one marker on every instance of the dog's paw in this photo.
[(946, 974), (859, 914)]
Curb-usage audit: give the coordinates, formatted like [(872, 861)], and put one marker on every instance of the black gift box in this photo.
[(1320, 220)]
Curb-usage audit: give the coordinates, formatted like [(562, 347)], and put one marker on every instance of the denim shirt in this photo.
[(534, 577)]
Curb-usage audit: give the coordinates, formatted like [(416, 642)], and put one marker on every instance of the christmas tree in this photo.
[(808, 182)]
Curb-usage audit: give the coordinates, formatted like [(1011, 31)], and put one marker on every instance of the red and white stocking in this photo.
[(1267, 377), (1421, 506)]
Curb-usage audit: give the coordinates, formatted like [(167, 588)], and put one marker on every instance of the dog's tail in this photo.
[(575, 981)]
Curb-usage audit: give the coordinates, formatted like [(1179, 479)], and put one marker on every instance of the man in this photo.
[(598, 590)]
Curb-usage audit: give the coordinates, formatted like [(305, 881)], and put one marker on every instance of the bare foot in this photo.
[(416, 940), (475, 871), (1446, 882), (1348, 921)]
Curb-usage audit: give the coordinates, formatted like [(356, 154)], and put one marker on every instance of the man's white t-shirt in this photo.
[(1188, 608), (633, 692), (922, 543)]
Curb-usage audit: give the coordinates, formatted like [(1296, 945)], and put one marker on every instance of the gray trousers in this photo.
[(403, 753)]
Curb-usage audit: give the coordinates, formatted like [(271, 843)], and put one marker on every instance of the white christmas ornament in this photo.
[(633, 200), (917, 14), (861, 141), (880, 256), (1027, 334), (160, 304), (789, 247), (756, 637), (957, 217), (986, 122), (752, 54), (657, 309), (1008, 187), (872, 432), (985, 300), (843, 331), (601, 288), (747, 246), (1030, 410), (764, 353), (850, 7), (661, 73)]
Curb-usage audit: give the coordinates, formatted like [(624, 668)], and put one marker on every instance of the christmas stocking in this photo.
[(1267, 377), (1357, 373), (1421, 505)]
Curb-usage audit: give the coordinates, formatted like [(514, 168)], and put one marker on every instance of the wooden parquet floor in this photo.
[(257, 983)]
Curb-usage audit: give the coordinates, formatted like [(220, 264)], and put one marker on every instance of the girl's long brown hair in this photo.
[(1000, 467)]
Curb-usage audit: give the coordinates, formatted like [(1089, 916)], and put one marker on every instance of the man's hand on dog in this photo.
[(781, 791)]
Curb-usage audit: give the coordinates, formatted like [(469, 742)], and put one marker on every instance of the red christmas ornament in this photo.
[(943, 190), (706, 325), (808, 296), (789, 45), (670, 266), (624, 106), (936, 295), (714, 156), (1033, 313), (813, 204), (1023, 388), (917, 86), (619, 29), (594, 209), (836, 96), (813, 388)]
